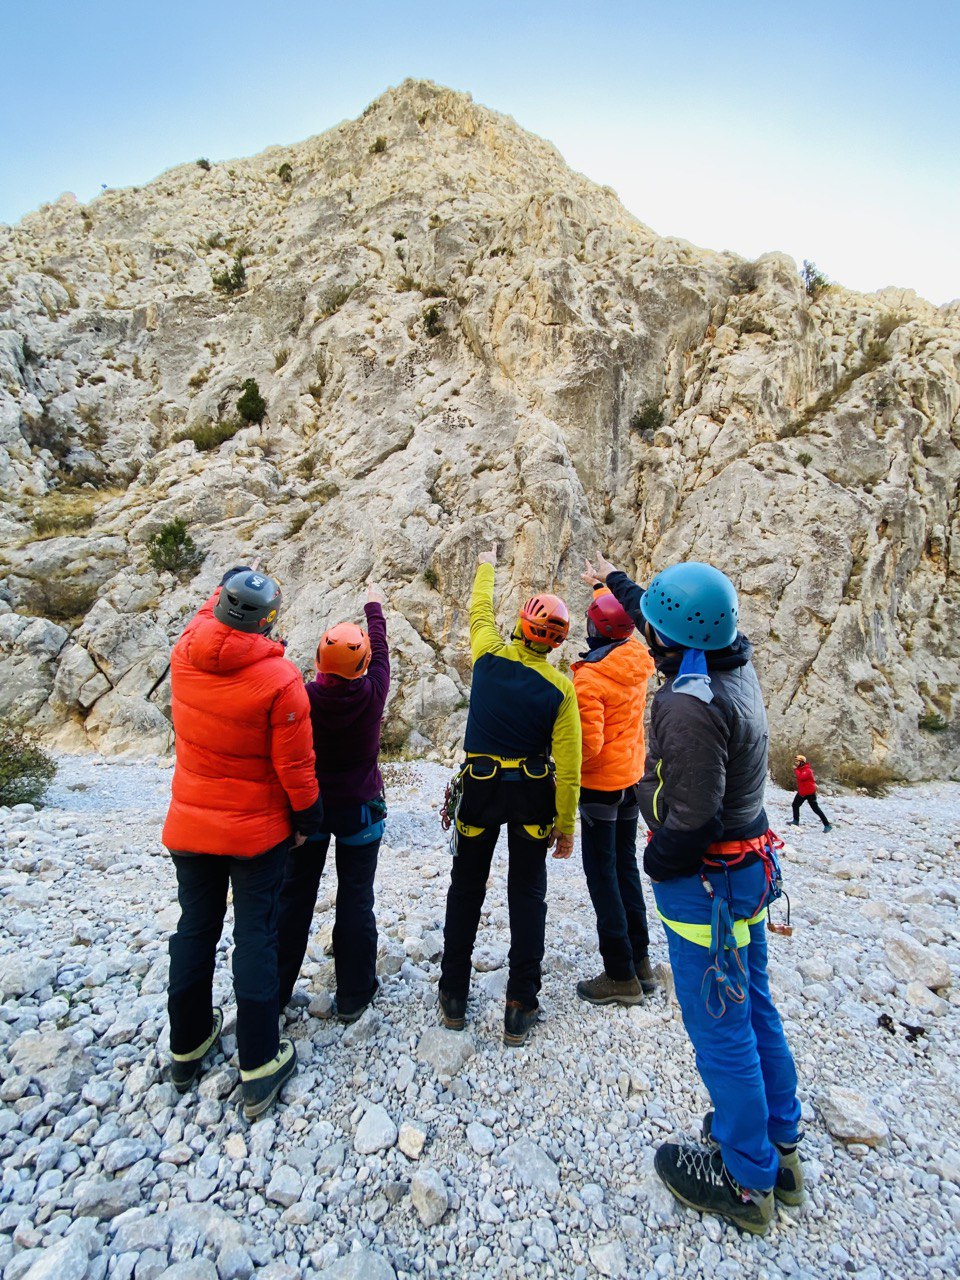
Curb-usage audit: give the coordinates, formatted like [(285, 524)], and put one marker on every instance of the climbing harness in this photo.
[(489, 805), (724, 936), (722, 972)]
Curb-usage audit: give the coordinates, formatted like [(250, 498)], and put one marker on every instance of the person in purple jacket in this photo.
[(346, 708)]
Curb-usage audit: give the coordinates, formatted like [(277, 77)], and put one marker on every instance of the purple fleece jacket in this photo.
[(346, 716)]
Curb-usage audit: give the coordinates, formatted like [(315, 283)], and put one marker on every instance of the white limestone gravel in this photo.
[(535, 1161)]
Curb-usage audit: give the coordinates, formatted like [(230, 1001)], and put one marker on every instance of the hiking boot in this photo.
[(788, 1187), (453, 1011), (607, 990), (648, 983), (261, 1085), (353, 1015), (699, 1179), (186, 1066), (794, 822), (518, 1022)]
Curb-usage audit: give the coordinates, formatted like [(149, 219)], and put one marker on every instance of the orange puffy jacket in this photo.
[(244, 744), (611, 686)]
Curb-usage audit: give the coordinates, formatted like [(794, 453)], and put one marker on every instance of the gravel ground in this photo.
[(402, 1150)]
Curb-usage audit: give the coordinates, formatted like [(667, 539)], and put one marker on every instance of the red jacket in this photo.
[(244, 745), (806, 785)]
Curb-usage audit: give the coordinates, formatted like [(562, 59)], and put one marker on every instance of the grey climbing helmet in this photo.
[(248, 601)]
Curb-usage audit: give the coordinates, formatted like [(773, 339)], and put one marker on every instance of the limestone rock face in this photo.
[(459, 339)]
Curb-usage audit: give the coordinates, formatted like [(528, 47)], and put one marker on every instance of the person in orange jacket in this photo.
[(611, 687), (244, 791)]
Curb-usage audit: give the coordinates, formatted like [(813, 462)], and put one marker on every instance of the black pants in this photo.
[(355, 927), (812, 802), (202, 883), (526, 899), (613, 880)]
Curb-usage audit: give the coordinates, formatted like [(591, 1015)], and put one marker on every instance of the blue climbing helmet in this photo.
[(693, 605)]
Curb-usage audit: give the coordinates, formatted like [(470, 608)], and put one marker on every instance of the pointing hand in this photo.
[(488, 557)]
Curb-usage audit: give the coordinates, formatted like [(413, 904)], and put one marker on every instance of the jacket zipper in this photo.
[(656, 794)]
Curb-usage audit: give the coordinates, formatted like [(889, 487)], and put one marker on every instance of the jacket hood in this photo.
[(622, 660), (212, 646)]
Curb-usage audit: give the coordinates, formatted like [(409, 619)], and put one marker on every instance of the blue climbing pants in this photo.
[(742, 1055)]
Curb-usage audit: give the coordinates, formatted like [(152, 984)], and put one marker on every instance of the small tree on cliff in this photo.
[(251, 406)]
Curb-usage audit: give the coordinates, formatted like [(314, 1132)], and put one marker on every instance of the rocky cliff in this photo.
[(459, 339)]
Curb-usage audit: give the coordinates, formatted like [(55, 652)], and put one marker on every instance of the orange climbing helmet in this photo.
[(544, 619), (344, 651)]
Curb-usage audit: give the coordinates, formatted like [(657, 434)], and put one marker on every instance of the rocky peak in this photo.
[(458, 338)]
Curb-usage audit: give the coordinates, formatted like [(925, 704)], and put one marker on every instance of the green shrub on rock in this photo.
[(172, 550)]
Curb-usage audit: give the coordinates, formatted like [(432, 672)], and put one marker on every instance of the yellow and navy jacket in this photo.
[(519, 704)]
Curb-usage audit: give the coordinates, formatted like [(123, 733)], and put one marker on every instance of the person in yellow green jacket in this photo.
[(522, 771)]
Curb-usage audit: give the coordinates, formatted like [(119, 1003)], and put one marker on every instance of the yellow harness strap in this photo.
[(701, 934), (507, 763)]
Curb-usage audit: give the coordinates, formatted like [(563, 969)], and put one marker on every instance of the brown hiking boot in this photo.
[(607, 990), (645, 975)]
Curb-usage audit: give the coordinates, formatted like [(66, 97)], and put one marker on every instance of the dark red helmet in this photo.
[(544, 619), (609, 616)]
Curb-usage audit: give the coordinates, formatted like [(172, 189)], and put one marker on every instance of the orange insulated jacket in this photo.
[(611, 687), (244, 744)]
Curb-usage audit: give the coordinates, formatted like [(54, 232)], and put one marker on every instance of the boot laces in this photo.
[(702, 1165)]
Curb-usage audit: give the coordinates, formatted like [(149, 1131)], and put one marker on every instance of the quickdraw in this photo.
[(721, 981), (728, 987), (450, 809)]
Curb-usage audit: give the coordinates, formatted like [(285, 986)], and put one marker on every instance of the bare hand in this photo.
[(590, 575), (256, 564), (603, 568), (563, 842), (373, 595), (488, 557), (298, 839)]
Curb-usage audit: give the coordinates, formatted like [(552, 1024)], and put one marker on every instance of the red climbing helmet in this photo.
[(344, 651), (609, 616), (544, 619)]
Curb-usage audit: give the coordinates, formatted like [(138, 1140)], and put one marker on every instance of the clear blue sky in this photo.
[(830, 130)]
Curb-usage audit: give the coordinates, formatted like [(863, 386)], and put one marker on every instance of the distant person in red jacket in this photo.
[(806, 790), (244, 790), (347, 699)]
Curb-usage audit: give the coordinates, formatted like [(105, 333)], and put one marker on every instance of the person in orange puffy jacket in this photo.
[(244, 790), (806, 791), (611, 687)]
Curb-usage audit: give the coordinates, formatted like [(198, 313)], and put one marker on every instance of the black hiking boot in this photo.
[(518, 1022), (788, 1187), (261, 1085), (648, 982), (698, 1178), (351, 1014), (607, 990), (187, 1066), (453, 1011), (794, 822)]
